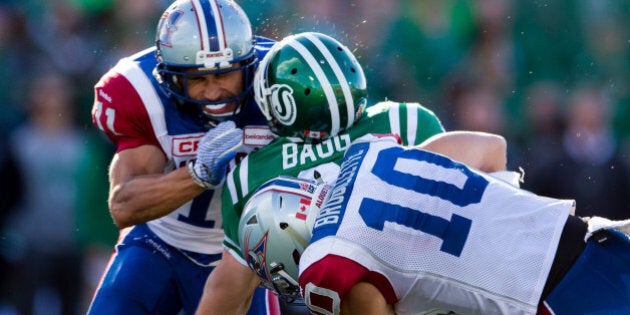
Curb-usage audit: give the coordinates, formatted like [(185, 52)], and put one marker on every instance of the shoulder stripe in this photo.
[(237, 181), (141, 53), (151, 100), (231, 186), (412, 124), (394, 120), (244, 177), (340, 77), (321, 77)]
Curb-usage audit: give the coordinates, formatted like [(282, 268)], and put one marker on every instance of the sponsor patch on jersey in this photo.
[(257, 136), (185, 146)]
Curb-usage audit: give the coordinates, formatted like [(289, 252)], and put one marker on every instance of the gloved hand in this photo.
[(217, 147)]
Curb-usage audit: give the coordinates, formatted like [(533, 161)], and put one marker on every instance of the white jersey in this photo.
[(432, 234), (132, 110)]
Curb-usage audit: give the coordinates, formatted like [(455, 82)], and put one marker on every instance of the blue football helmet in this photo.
[(209, 36)]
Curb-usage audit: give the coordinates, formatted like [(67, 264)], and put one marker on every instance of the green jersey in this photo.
[(411, 121)]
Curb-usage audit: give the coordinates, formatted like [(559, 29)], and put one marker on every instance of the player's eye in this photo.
[(196, 78)]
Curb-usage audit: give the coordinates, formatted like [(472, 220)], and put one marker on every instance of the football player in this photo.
[(313, 93), (161, 107), (408, 231)]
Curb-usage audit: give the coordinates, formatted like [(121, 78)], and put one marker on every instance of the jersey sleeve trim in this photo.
[(149, 96), (340, 274), (234, 251)]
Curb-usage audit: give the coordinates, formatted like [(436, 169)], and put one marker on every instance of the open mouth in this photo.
[(219, 109)]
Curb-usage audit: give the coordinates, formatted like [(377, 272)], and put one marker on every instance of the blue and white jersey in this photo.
[(132, 110), (431, 234)]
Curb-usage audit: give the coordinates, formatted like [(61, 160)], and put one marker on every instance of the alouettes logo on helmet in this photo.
[(283, 104), (256, 256), (169, 20)]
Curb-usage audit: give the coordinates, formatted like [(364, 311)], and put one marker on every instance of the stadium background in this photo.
[(518, 68)]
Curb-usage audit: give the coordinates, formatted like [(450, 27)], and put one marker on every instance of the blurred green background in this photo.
[(551, 76)]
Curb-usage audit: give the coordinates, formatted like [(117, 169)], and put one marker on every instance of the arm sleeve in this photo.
[(230, 211), (413, 122), (428, 124), (118, 111)]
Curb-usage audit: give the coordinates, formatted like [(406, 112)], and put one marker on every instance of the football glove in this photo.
[(216, 149)]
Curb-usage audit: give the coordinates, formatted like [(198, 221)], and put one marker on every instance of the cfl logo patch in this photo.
[(283, 103)]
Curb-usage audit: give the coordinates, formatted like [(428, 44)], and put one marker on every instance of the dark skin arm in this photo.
[(140, 191)]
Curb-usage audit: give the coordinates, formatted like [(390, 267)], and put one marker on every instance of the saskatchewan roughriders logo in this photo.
[(283, 103)]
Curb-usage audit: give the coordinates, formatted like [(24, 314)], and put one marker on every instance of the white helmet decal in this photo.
[(283, 103)]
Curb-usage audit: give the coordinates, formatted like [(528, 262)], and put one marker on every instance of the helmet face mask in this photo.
[(275, 228), (310, 86), (204, 37)]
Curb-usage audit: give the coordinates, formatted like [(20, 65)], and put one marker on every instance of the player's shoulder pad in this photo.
[(263, 43), (145, 54), (263, 46), (379, 137), (115, 90), (384, 106)]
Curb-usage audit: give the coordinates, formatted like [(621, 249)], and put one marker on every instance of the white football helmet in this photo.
[(275, 228), (207, 35)]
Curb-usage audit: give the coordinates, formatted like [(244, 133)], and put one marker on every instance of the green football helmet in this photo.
[(310, 86)]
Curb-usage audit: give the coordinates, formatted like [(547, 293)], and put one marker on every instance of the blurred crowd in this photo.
[(551, 76)]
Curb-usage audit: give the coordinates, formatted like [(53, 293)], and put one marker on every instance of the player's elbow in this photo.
[(119, 212), (496, 153), (119, 217)]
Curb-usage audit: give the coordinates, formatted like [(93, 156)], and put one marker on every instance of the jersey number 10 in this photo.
[(454, 232)]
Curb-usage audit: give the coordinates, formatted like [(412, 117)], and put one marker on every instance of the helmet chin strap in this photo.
[(279, 269)]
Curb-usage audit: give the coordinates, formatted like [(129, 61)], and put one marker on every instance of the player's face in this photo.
[(216, 87)]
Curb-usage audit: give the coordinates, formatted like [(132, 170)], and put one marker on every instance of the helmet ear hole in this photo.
[(296, 256), (307, 91), (252, 220), (294, 71)]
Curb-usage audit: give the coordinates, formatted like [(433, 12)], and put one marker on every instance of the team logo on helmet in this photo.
[(256, 256), (283, 103), (167, 26)]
